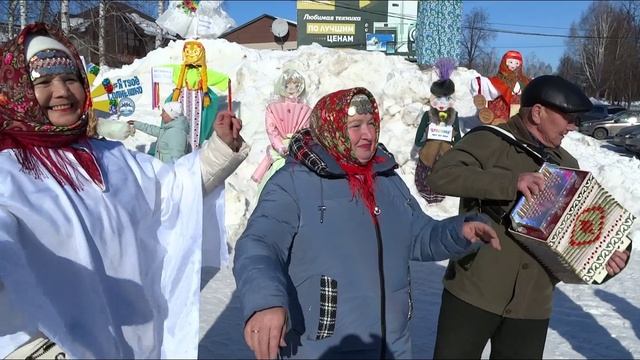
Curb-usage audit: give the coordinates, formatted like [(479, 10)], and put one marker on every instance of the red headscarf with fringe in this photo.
[(24, 127), (505, 80), (328, 125)]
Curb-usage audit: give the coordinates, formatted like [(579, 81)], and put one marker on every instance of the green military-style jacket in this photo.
[(482, 169)]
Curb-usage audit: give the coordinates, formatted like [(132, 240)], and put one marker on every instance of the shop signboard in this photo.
[(339, 23)]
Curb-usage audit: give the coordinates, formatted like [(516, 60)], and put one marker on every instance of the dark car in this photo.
[(632, 143), (600, 112), (620, 139), (608, 127)]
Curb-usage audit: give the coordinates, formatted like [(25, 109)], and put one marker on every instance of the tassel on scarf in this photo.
[(361, 182), (34, 161)]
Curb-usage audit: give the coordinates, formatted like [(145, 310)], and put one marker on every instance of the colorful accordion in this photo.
[(573, 226)]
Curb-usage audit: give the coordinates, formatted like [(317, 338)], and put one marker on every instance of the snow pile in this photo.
[(588, 321), (400, 87)]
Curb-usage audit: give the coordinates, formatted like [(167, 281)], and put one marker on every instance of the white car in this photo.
[(610, 126)]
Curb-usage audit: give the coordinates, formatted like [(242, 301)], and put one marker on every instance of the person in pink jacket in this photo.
[(283, 118)]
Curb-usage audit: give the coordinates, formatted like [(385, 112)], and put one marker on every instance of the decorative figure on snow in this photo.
[(439, 128), (199, 102), (193, 82), (498, 98), (195, 19), (102, 100), (283, 117), (438, 30)]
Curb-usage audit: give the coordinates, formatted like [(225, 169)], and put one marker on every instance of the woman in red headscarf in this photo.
[(328, 245), (509, 81), (99, 245)]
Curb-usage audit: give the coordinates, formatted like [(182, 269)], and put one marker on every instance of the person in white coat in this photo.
[(99, 246)]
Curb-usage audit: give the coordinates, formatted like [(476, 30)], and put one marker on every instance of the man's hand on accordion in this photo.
[(617, 262), (475, 231), (530, 183)]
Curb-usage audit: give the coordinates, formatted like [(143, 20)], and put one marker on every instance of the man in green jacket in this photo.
[(172, 133), (505, 296)]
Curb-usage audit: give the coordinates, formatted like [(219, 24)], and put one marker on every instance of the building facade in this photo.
[(257, 34), (129, 34)]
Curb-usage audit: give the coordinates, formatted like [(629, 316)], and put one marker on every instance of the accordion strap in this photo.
[(495, 211), (508, 137)]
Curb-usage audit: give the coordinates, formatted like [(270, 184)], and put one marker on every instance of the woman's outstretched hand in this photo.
[(475, 231), (264, 332)]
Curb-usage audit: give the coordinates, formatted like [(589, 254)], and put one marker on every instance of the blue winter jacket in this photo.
[(313, 249)]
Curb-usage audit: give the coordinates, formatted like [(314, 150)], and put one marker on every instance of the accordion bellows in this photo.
[(573, 226)]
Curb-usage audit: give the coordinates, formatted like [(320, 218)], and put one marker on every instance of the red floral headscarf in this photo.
[(328, 125), (24, 126)]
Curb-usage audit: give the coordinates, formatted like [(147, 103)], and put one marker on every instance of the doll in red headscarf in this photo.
[(502, 90)]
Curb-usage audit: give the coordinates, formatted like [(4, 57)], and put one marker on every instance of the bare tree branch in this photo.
[(474, 36), (606, 59)]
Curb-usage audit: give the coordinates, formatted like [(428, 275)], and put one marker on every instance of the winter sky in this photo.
[(542, 17)]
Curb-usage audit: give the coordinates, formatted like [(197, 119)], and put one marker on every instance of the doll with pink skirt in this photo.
[(283, 118)]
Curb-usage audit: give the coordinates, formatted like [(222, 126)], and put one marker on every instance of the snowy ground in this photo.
[(588, 321)]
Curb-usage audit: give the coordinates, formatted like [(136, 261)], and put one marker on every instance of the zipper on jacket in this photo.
[(383, 318), (321, 207)]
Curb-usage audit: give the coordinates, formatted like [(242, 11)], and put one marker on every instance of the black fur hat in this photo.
[(441, 88), (444, 86)]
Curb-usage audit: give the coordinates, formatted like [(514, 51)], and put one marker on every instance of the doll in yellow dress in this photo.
[(199, 102)]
